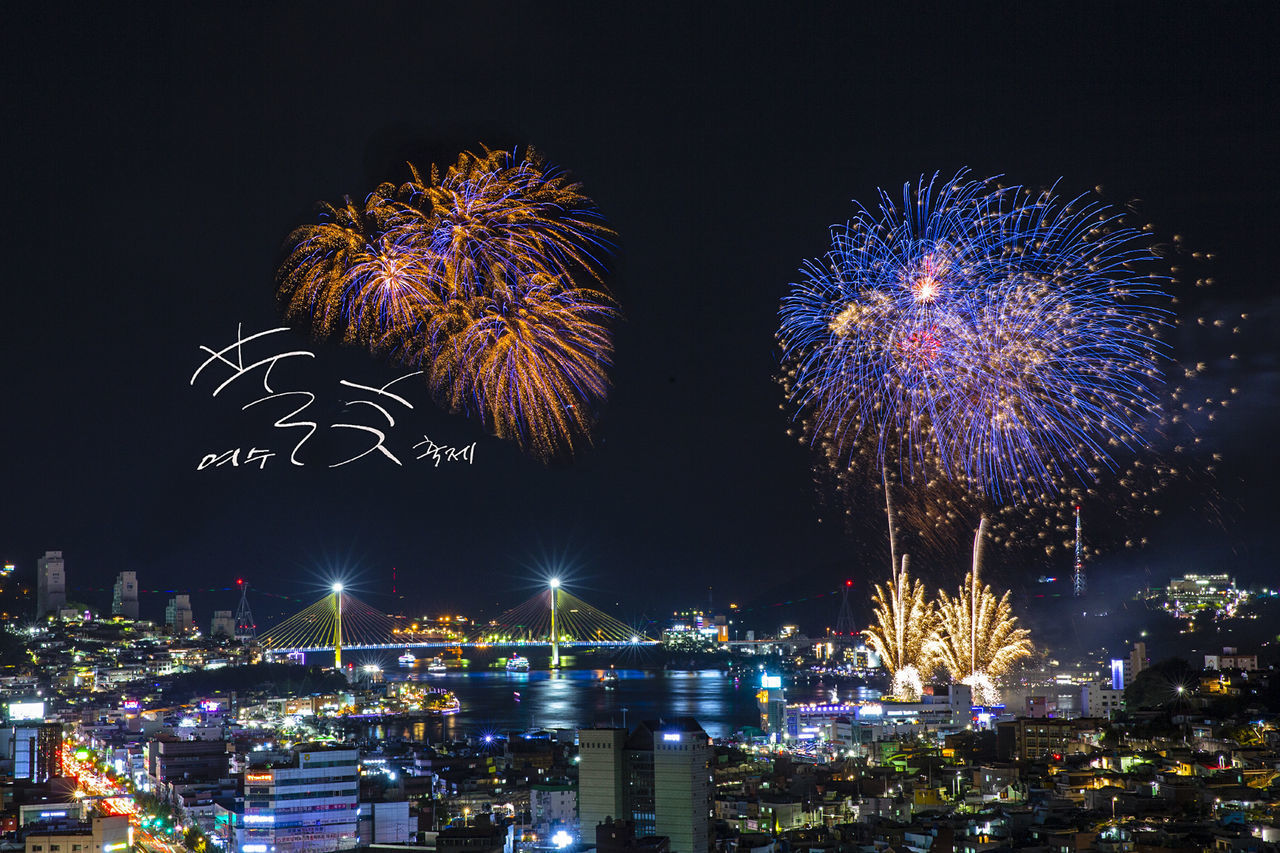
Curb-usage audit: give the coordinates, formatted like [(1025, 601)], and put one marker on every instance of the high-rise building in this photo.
[(124, 597), (35, 748), (51, 584), (659, 777), (682, 787), (600, 786), (223, 626), (1137, 660), (309, 804), (772, 702), (177, 614)]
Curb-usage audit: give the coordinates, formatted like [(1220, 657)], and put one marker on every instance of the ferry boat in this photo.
[(437, 665), (610, 679), (517, 663), (407, 659)]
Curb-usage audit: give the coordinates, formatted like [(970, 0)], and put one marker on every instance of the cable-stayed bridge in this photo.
[(554, 617)]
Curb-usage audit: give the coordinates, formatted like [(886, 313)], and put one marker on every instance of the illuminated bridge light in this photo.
[(529, 623)]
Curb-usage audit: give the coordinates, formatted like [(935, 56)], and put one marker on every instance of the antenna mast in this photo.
[(1079, 582)]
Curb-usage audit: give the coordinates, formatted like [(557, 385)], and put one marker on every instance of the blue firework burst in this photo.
[(994, 335)]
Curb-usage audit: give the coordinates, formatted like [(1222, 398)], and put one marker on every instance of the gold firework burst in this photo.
[(977, 638), (901, 636)]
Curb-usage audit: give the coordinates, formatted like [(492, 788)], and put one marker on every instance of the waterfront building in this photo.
[(307, 803), (772, 702), (51, 584), (658, 777), (839, 722), (124, 596)]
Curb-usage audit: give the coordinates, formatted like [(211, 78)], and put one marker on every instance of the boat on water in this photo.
[(437, 665), (610, 679), (442, 702), (517, 663), (407, 659)]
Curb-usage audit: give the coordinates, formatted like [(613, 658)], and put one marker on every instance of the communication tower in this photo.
[(246, 628), (844, 621)]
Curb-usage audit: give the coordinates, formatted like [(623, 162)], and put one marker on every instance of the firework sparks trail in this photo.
[(977, 638), (904, 625)]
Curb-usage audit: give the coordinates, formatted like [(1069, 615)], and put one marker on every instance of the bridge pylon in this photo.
[(555, 638)]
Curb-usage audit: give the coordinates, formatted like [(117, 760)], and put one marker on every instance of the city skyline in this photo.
[(720, 166)]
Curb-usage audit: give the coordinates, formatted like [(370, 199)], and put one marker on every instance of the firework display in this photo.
[(493, 217), (474, 276), (977, 638), (995, 337), (903, 633)]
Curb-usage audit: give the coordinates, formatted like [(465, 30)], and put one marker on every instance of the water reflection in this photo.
[(501, 701), (496, 701)]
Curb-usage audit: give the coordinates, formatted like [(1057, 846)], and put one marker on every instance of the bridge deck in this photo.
[(444, 644)]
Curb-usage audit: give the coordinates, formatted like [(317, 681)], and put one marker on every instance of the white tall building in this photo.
[(306, 806), (124, 597), (51, 584)]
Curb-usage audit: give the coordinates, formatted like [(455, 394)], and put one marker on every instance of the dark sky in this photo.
[(159, 156)]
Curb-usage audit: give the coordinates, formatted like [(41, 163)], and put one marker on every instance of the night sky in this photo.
[(159, 159)]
